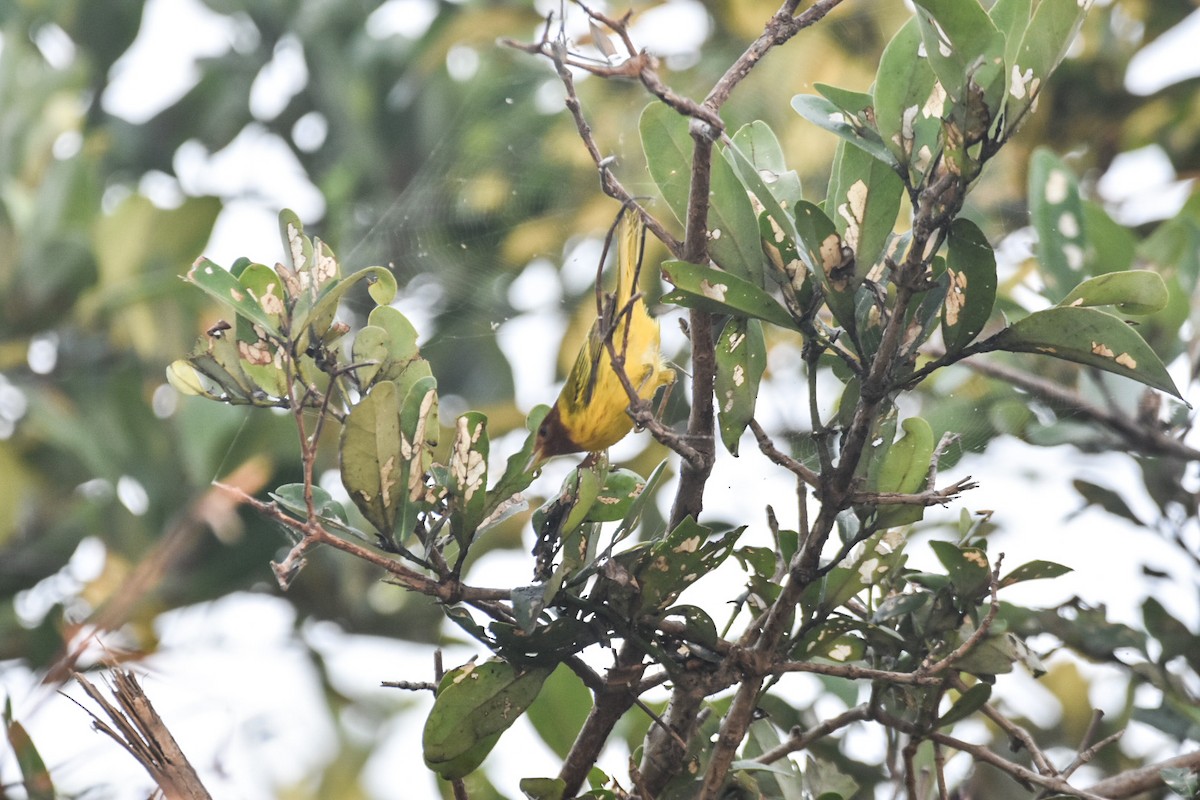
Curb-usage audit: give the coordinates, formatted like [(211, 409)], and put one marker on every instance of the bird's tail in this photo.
[(631, 238)]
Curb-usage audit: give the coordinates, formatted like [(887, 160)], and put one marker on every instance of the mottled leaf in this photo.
[(971, 285), (468, 475), (909, 103), (863, 201), (1091, 337), (741, 361), (371, 457), (222, 285)]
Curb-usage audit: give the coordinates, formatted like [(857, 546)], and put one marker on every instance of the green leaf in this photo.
[(291, 497), (971, 294), (369, 353), (758, 146), (699, 626), (968, 568), (222, 285), (825, 782), (1137, 292), (316, 322), (371, 458), (903, 468), (909, 103), (733, 226), (388, 338), (518, 472), (963, 47), (678, 560), (1047, 38), (668, 149), (828, 116), (474, 705), (967, 704), (560, 709), (1011, 18), (733, 239), (1113, 247), (1057, 213), (543, 788), (741, 361), (754, 156), (722, 293), (621, 489), (1034, 571), (832, 261), (1091, 337), (864, 199)]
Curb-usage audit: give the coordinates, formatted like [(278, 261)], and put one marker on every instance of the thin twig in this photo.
[(801, 740), (777, 456)]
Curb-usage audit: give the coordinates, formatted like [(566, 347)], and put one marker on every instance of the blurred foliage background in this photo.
[(430, 148)]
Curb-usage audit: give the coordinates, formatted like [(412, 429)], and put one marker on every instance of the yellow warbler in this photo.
[(590, 413)]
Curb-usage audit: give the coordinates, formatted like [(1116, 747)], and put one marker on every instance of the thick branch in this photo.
[(689, 499), (1143, 779)]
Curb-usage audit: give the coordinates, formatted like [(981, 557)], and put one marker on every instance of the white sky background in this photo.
[(236, 689)]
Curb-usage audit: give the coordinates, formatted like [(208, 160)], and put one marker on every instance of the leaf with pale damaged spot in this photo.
[(832, 260), (1091, 337), (222, 285), (971, 284), (418, 436), (828, 116), (760, 147), (1057, 214), (678, 560), (733, 226), (753, 158), (316, 321), (721, 292), (371, 458), (1135, 291), (963, 47), (620, 490), (266, 289), (468, 475), (863, 201), (475, 703), (1046, 40), (968, 568), (741, 361), (909, 103)]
